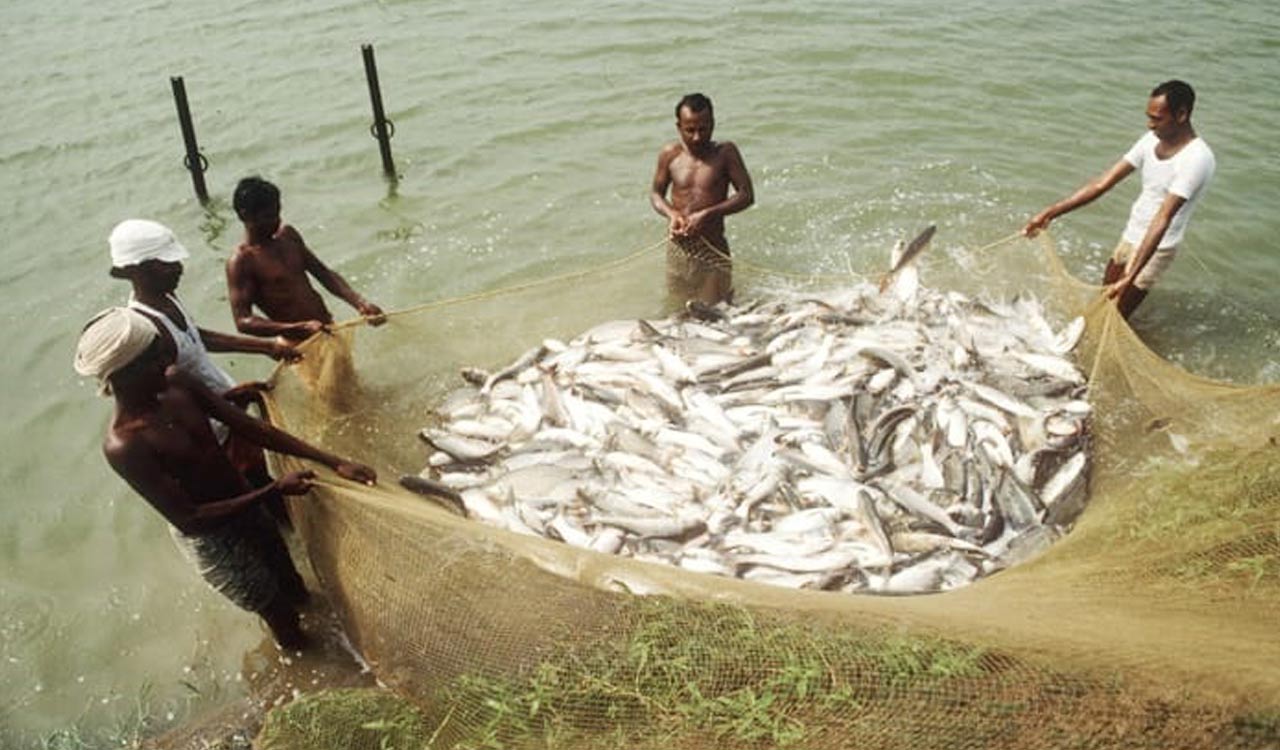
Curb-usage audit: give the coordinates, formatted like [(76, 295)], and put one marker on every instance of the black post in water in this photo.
[(194, 160), (383, 129)]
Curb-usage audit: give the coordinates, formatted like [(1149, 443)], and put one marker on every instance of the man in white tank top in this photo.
[(149, 257), (1177, 166)]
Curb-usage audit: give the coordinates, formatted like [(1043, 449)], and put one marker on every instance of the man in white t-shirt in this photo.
[(1176, 167)]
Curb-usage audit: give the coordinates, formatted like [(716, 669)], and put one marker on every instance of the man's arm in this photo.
[(658, 192), (242, 291), (1150, 241), (248, 392), (1085, 195), (216, 341), (138, 466), (262, 434), (337, 285), (743, 193)]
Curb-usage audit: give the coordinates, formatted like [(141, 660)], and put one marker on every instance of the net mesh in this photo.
[(1152, 624)]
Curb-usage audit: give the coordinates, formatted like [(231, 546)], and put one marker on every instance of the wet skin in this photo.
[(698, 172), (269, 270)]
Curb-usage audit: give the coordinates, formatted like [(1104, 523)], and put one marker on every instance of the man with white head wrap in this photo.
[(161, 443), (149, 256), (110, 341)]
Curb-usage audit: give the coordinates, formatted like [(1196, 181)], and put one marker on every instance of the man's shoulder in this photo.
[(670, 150), (245, 250), (243, 257), (1199, 163), (1141, 150), (728, 149), (1146, 141), (126, 444), (1201, 147)]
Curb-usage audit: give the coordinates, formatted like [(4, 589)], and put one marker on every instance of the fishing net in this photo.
[(1152, 624)]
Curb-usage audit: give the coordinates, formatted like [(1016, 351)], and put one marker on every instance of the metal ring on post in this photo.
[(391, 129), (204, 163)]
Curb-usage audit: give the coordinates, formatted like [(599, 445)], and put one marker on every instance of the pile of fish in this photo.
[(858, 441)]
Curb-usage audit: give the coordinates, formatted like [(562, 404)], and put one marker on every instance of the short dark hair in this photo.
[(695, 103), (1177, 94), (254, 194)]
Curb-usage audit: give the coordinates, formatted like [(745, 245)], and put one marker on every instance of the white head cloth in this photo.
[(114, 338), (136, 240)]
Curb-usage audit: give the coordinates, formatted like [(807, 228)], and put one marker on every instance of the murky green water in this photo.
[(526, 136)]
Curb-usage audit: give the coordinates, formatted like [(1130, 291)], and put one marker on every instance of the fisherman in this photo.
[(149, 257), (1176, 167), (161, 443), (699, 171), (269, 270)]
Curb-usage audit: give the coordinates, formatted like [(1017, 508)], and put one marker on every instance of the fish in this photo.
[(1001, 400), (1069, 337), (667, 526), (461, 448), (918, 505), (528, 358), (1016, 503), (900, 258), (819, 562), (845, 441), (1052, 365), (441, 494), (920, 542)]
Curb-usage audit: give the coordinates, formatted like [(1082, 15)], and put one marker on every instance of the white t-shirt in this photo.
[(1185, 174)]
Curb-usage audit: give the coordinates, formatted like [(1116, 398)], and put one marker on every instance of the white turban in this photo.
[(136, 240), (114, 338)]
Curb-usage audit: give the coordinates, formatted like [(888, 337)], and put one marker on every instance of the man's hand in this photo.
[(373, 314), (295, 482), (309, 328), (356, 472), (284, 352), (1113, 291), (678, 225), (246, 393), (694, 222), (1038, 223)]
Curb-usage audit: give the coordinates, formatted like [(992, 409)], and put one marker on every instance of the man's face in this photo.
[(264, 221), (1161, 120), (695, 129), (159, 276), (146, 371)]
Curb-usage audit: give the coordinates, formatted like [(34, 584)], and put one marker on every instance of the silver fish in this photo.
[(528, 358)]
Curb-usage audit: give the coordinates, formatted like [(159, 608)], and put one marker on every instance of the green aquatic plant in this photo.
[(712, 670), (345, 718)]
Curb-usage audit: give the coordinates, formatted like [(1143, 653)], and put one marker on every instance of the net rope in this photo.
[(1152, 624)]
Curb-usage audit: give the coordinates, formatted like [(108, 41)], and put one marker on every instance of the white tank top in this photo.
[(193, 357)]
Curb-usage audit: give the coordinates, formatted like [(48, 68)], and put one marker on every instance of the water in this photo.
[(526, 136)]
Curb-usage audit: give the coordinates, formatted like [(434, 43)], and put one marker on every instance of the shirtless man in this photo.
[(1176, 167), (161, 443), (699, 172), (269, 269), (149, 257)]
